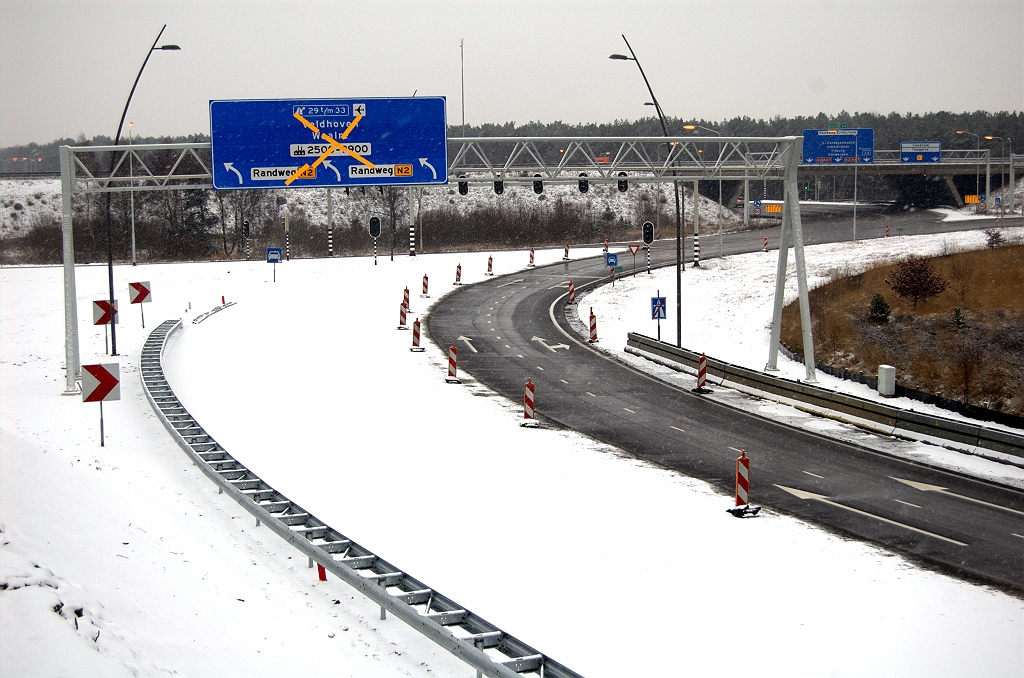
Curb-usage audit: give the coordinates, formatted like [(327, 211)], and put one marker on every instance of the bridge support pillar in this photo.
[(952, 189)]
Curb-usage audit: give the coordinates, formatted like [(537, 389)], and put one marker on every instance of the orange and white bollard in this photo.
[(531, 258), (401, 317), (529, 418), (405, 300), (572, 293), (565, 257), (606, 245), (453, 365), (490, 265), (321, 572), (887, 230), (426, 294), (742, 479), (593, 326), (458, 274), (702, 375), (766, 243), (416, 348)]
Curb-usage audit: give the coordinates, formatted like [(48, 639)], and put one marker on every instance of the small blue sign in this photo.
[(839, 146), (920, 151), (274, 255), (658, 311), (303, 143), (757, 203), (611, 260), (981, 197)]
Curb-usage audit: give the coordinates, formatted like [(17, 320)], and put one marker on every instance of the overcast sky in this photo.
[(66, 67)]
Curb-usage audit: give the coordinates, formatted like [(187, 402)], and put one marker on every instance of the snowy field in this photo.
[(123, 559)]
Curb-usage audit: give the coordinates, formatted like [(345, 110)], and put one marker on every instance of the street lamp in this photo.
[(113, 158), (1002, 165), (977, 170), (131, 175), (693, 128), (675, 185)]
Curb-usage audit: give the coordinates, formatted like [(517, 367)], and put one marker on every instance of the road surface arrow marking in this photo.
[(511, 283), (105, 384), (467, 340), (551, 347), (924, 487), (230, 166), (328, 163), (803, 494), (424, 163)]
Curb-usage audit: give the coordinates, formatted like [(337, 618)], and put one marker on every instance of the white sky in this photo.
[(66, 66)]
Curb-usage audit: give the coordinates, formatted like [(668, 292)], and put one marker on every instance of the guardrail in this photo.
[(439, 618), (1002, 446)]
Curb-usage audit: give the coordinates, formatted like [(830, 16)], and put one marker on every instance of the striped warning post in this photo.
[(606, 245), (425, 294), (696, 251), (453, 365), (458, 274), (702, 372), (490, 265), (593, 326), (565, 257), (572, 293), (531, 258), (405, 299), (529, 420), (766, 243), (416, 348), (321, 572), (887, 230), (330, 242), (742, 479), (401, 317)]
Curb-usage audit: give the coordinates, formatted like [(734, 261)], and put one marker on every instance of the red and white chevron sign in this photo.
[(140, 293), (101, 312), (101, 382)]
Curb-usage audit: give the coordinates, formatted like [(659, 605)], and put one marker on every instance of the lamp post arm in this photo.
[(657, 106), (135, 84)]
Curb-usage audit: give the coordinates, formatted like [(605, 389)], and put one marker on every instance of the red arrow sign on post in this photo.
[(99, 383), (140, 292), (101, 312)]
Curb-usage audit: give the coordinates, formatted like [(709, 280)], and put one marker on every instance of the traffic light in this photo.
[(538, 186), (374, 227), (463, 185), (623, 184), (648, 229), (245, 228), (499, 187), (584, 184)]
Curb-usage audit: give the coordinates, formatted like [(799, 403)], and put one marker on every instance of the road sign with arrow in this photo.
[(278, 143)]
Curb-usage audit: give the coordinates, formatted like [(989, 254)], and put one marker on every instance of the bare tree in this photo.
[(915, 278), (967, 362), (961, 270)]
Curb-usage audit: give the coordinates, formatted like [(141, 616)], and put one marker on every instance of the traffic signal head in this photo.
[(374, 227), (499, 187), (245, 228), (623, 184), (538, 186), (584, 184), (463, 185), (648, 232)]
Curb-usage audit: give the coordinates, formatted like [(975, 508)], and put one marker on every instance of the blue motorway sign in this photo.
[(839, 146), (611, 260), (658, 308), (274, 255), (920, 151), (303, 143)]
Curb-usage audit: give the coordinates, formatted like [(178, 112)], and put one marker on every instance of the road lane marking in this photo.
[(551, 347), (1014, 534), (812, 474), (924, 487), (540, 368), (511, 283), (735, 449), (629, 410), (590, 394), (506, 345), (677, 429), (563, 381), (520, 355), (802, 494), (906, 503)]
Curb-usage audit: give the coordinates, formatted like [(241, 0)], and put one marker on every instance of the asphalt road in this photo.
[(517, 326)]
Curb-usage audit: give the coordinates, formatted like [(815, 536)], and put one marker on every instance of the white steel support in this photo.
[(792, 228), (696, 226), (72, 367), (1013, 185), (988, 178), (746, 203), (412, 222)]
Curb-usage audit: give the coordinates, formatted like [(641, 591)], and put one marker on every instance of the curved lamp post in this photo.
[(693, 128), (977, 170), (675, 185), (113, 158)]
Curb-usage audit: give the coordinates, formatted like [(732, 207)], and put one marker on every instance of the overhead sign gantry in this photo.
[(304, 143)]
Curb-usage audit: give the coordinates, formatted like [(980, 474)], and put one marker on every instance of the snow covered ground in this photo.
[(605, 563)]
